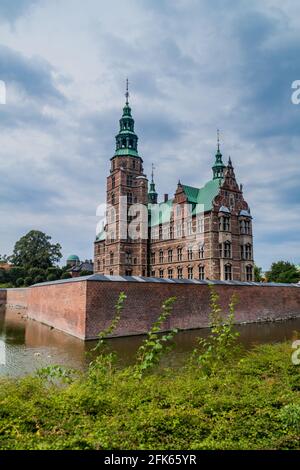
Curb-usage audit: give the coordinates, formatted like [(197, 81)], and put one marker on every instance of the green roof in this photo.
[(161, 213), (73, 258), (101, 236), (125, 152)]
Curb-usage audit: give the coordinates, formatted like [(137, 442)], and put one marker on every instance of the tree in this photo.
[(4, 259), (35, 250), (257, 274), (284, 272)]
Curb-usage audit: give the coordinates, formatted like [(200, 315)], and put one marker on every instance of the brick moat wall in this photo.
[(84, 307)]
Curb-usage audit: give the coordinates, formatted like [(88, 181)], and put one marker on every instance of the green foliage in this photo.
[(156, 344), (85, 273), (15, 273), (35, 250), (284, 272), (52, 278), (20, 282), (212, 352), (66, 276), (253, 403), (257, 274), (38, 279), (28, 281)]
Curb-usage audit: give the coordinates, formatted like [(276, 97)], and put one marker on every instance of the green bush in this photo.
[(20, 282), (66, 276), (39, 279), (52, 277), (28, 281)]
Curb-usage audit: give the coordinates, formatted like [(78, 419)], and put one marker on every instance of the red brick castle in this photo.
[(202, 233)]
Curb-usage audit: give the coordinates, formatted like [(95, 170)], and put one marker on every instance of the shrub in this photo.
[(20, 282), (28, 281), (39, 279), (52, 277), (66, 276)]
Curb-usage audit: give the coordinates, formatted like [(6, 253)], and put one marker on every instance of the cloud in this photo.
[(194, 66), (11, 10)]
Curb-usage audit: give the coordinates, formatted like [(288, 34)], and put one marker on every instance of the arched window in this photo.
[(111, 258), (179, 273), (190, 272), (227, 250), (249, 273), (201, 251), (161, 273), (161, 256), (170, 273), (128, 257), (153, 257), (228, 272), (190, 253), (248, 251), (170, 256), (201, 273), (179, 254)]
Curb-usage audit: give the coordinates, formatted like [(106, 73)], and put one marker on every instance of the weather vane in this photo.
[(218, 138), (153, 168), (127, 91)]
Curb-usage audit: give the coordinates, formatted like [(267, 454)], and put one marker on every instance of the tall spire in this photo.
[(127, 92), (127, 140), (219, 167), (152, 195)]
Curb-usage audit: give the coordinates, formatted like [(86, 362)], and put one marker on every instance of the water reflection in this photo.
[(29, 345)]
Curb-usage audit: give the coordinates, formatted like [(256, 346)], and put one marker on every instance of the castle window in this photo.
[(170, 256), (113, 182), (128, 257), (226, 224), (133, 164), (190, 273), (201, 251), (129, 180), (227, 250), (128, 272), (170, 273), (179, 254), (179, 230), (123, 143), (249, 273), (111, 258), (248, 251), (161, 273), (153, 257), (190, 253), (200, 224), (221, 250), (190, 228), (111, 273), (228, 272), (171, 232), (247, 227), (130, 143), (152, 273), (179, 273), (103, 263), (129, 198), (113, 199), (98, 265), (201, 273), (161, 256)]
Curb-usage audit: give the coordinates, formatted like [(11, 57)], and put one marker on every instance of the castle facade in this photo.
[(201, 233)]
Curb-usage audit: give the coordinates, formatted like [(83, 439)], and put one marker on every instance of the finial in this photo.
[(153, 168), (229, 161), (218, 139), (127, 92)]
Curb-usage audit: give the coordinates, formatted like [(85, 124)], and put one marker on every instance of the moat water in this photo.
[(26, 346)]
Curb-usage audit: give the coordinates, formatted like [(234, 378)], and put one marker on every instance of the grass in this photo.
[(223, 398)]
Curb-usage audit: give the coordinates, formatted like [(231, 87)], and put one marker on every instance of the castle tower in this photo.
[(127, 186)]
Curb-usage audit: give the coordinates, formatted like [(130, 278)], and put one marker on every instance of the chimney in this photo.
[(166, 197)]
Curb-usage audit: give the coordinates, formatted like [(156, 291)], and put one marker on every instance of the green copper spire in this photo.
[(127, 140), (152, 195), (219, 167)]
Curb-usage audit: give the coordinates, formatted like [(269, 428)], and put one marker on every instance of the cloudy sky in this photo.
[(194, 66)]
